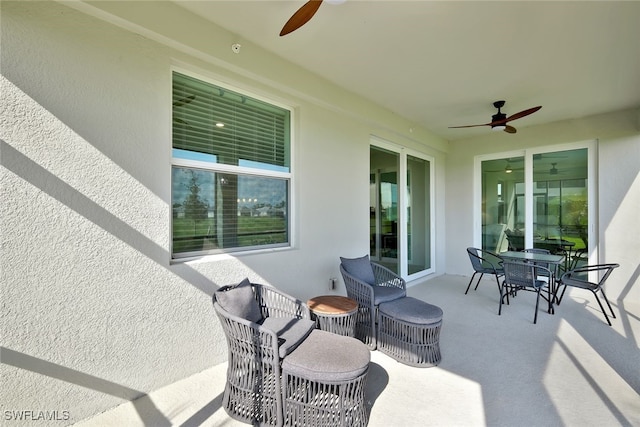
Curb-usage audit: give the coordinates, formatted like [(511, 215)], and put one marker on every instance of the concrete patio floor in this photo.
[(570, 369)]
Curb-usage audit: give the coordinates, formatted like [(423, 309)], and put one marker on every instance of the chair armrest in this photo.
[(248, 337), (386, 277), (492, 259), (585, 270), (357, 290), (275, 303)]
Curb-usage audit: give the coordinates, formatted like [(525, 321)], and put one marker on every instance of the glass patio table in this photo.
[(538, 258)]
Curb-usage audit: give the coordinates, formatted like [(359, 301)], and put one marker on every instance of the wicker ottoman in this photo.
[(323, 382), (409, 331)]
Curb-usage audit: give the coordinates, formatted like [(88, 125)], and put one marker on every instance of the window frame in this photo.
[(217, 168)]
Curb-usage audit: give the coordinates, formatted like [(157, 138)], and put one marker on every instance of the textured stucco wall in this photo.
[(93, 312)]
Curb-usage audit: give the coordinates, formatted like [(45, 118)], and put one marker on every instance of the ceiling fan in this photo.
[(303, 15), (499, 120), (507, 169)]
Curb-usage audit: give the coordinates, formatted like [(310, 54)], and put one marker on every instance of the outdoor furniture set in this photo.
[(399, 326), (292, 366), (536, 270)]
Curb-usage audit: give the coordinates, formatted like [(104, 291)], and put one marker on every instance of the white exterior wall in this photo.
[(93, 312), (617, 187)]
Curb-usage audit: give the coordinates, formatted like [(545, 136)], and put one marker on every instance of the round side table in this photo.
[(334, 313)]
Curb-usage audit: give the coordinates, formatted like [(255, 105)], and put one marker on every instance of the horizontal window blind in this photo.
[(231, 126)]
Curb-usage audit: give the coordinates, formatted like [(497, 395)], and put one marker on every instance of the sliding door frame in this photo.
[(528, 153), (403, 248)]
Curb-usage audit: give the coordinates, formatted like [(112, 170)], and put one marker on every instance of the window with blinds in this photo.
[(230, 170)]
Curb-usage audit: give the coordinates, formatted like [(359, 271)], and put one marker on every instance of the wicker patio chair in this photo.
[(262, 325), (579, 278), (484, 262), (370, 284)]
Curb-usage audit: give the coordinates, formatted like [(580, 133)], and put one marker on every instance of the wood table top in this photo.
[(332, 304)]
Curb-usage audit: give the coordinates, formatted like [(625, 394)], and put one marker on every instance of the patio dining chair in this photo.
[(541, 264), (370, 284), (484, 262), (579, 278), (524, 276)]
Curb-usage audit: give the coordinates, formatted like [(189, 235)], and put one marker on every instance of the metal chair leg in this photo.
[(607, 301), (559, 300), (602, 307), (478, 282), (497, 281), (471, 281)]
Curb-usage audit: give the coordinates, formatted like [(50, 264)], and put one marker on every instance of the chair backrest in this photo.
[(254, 302), (519, 273), (526, 274), (537, 251), (239, 300), (481, 259), (359, 268), (515, 239)]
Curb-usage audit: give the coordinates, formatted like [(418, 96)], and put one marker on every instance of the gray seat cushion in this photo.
[(240, 301), (290, 331), (412, 310), (360, 268), (386, 293), (327, 358)]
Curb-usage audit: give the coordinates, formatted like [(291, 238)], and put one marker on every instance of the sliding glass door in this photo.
[(418, 215), (383, 211), (537, 200), (400, 210), (503, 215)]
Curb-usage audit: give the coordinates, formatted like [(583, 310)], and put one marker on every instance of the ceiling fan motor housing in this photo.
[(497, 117)]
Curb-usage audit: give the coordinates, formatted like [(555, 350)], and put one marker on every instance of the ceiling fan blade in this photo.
[(469, 126), (522, 113), (301, 17), (502, 120)]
